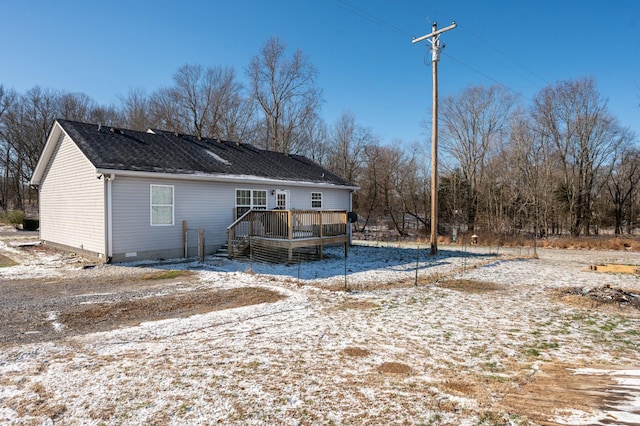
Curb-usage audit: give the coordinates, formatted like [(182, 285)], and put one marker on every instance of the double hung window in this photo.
[(250, 199), (162, 203), (316, 200)]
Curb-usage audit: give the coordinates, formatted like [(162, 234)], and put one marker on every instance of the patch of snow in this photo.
[(218, 158), (52, 317)]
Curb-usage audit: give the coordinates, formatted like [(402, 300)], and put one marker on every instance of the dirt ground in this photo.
[(93, 298), (108, 302)]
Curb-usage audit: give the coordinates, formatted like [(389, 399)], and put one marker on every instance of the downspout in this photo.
[(109, 231)]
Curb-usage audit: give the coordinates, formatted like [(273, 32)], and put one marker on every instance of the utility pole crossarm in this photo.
[(434, 33)]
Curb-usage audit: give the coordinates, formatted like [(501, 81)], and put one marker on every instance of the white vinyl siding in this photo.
[(72, 200), (206, 204), (161, 205), (332, 199)]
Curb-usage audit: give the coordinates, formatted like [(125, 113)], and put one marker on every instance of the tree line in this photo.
[(561, 164)]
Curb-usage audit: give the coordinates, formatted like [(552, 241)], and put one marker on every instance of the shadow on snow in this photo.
[(361, 259)]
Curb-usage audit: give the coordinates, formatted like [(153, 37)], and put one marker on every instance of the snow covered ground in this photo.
[(377, 354)]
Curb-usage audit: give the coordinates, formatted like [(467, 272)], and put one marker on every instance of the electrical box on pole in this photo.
[(434, 38)]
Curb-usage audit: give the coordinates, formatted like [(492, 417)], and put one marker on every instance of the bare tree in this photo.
[(136, 110), (286, 92), (414, 185), (315, 142), (202, 102), (526, 173), (452, 198), (573, 117), (368, 202), (233, 114), (348, 140), (391, 188), (75, 106), (26, 125), (473, 125), (392, 171), (164, 113), (622, 184), (7, 98)]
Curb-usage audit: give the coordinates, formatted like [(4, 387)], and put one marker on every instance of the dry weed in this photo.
[(358, 304), (6, 262), (169, 274), (470, 286)]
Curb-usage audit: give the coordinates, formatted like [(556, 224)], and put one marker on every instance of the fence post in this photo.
[(417, 262), (201, 244), (185, 240)]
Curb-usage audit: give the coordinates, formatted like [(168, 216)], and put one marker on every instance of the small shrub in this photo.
[(13, 217)]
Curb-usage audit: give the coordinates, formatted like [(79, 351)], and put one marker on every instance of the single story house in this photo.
[(124, 195)]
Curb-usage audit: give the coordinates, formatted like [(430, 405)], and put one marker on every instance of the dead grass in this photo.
[(6, 262), (166, 275), (395, 368), (599, 242), (107, 316), (621, 243), (356, 352), (470, 286), (38, 404), (358, 304)]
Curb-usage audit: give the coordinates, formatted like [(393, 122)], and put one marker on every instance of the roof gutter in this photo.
[(244, 179)]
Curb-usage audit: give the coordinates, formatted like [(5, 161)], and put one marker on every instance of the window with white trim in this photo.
[(162, 205), (316, 200), (250, 199)]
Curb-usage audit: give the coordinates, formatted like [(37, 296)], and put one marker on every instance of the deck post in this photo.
[(201, 244), (290, 232), (321, 233)]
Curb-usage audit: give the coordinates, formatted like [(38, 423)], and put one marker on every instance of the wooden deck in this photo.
[(277, 231)]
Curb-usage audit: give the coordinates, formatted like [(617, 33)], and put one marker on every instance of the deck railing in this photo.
[(285, 225)]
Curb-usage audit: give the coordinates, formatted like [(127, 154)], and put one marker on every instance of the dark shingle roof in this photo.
[(166, 152)]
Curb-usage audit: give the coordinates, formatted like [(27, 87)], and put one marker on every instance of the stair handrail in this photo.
[(238, 220), (231, 232)]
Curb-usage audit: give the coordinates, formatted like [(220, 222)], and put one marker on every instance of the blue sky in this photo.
[(362, 49)]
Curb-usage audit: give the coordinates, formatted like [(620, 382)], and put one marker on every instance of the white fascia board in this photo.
[(46, 154), (245, 179)]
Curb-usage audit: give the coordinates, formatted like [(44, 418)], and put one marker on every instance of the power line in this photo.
[(369, 17), (465, 30), (390, 27), (487, 76)]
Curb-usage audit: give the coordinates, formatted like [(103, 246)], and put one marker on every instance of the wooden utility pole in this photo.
[(434, 38)]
